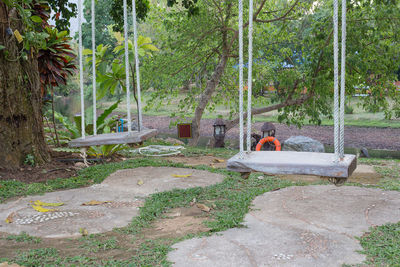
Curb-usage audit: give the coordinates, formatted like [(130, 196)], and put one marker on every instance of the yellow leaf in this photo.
[(18, 36), (40, 203), (41, 209), (83, 231), (94, 203), (10, 218), (219, 160), (181, 175), (203, 207), (140, 182)]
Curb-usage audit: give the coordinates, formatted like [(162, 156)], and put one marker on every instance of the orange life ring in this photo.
[(269, 139)]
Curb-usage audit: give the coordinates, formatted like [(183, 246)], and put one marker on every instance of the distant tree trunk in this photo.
[(21, 120), (205, 98)]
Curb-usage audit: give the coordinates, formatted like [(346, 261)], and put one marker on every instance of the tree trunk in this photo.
[(21, 120), (205, 98)]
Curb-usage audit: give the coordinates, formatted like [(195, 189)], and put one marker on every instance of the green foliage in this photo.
[(93, 244), (30, 160), (24, 237)]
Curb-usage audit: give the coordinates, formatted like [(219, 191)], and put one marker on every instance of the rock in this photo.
[(174, 141), (80, 165), (303, 143)]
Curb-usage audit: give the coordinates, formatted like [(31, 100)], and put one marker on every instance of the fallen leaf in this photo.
[(182, 175), (83, 231), (10, 218), (41, 209), (219, 160), (140, 182), (203, 207), (94, 203), (40, 203)]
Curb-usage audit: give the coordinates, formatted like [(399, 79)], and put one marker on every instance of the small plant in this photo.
[(30, 160), (348, 109), (24, 237)]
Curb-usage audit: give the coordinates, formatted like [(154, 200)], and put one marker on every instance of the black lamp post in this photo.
[(219, 132), (268, 129)]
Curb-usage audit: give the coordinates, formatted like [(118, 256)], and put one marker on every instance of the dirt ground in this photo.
[(177, 223)]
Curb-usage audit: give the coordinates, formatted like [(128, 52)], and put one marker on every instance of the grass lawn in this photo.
[(360, 117), (138, 245)]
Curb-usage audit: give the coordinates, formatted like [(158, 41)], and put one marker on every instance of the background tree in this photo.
[(292, 54)]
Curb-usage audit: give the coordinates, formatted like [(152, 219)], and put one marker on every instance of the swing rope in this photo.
[(81, 69), (339, 101), (128, 99), (94, 70), (137, 66), (241, 78), (250, 79)]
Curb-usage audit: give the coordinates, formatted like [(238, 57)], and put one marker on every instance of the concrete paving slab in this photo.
[(121, 191), (296, 226)]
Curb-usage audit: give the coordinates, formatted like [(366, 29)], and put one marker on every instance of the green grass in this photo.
[(24, 237), (96, 243), (382, 245)]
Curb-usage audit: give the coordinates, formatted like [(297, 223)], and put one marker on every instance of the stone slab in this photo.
[(289, 162), (114, 138), (120, 189), (296, 226)]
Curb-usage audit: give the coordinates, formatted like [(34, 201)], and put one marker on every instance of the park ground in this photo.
[(169, 217)]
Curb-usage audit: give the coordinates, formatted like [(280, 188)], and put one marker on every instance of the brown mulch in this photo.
[(51, 170)]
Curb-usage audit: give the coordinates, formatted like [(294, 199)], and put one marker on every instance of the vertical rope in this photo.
[(135, 36), (94, 70), (343, 80), (336, 78), (128, 98), (250, 79), (81, 69), (241, 77)]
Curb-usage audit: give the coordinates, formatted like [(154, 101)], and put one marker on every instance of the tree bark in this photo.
[(205, 98), (21, 120)]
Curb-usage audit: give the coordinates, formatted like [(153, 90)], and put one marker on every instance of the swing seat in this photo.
[(290, 162), (133, 137)]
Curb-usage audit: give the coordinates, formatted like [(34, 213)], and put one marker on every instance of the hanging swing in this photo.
[(336, 166), (129, 137)]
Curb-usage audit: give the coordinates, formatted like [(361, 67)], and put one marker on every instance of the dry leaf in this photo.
[(140, 182), (203, 207), (10, 218), (18, 36), (182, 175), (94, 203), (40, 203), (83, 231), (41, 209), (219, 160)]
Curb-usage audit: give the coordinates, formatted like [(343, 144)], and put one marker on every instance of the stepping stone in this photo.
[(119, 197), (296, 226)]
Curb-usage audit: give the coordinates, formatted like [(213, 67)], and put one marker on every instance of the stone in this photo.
[(303, 143)]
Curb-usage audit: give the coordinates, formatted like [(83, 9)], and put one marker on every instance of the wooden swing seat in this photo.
[(290, 162), (133, 137)]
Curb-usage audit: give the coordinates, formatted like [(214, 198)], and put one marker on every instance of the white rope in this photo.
[(336, 78), (128, 99), (250, 78), (94, 70), (343, 80), (81, 69), (241, 77), (137, 66)]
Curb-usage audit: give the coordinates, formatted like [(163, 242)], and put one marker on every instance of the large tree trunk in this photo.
[(205, 98), (21, 120)]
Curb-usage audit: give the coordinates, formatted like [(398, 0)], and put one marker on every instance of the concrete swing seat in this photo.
[(289, 162), (133, 137)]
